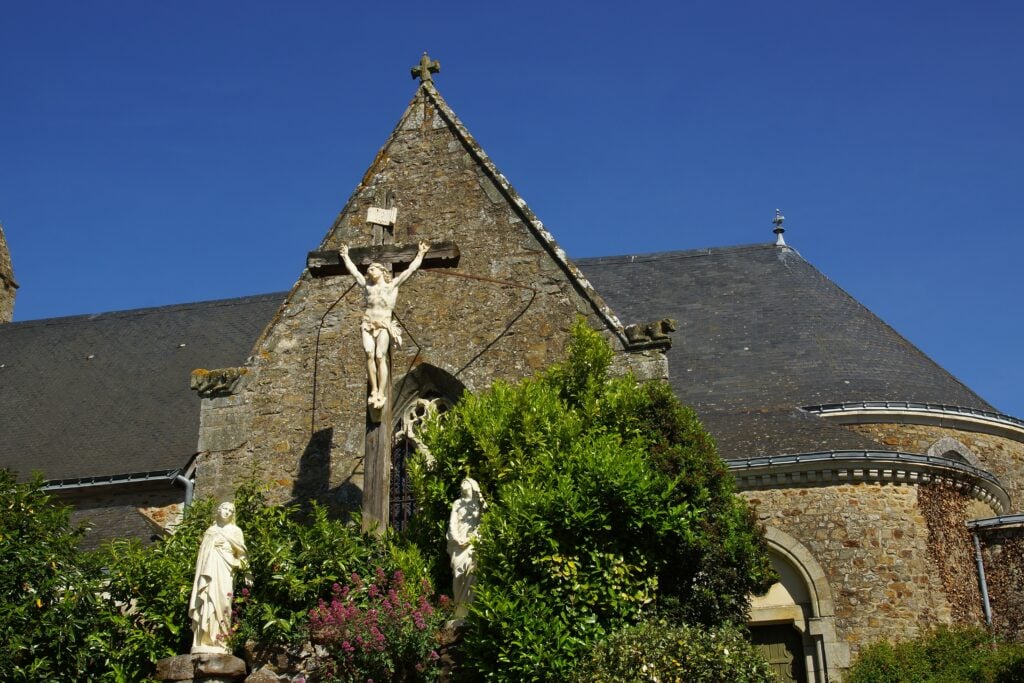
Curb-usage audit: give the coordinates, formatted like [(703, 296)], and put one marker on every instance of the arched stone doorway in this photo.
[(793, 624)]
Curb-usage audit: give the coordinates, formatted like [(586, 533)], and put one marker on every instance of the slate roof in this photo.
[(107, 394), (760, 334)]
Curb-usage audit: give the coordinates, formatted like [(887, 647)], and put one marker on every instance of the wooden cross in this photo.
[(395, 257), (425, 69), (377, 460)]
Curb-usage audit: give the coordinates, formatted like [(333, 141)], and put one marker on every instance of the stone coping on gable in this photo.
[(934, 414), (830, 468)]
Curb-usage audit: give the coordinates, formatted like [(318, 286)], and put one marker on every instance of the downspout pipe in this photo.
[(985, 605), (190, 487)]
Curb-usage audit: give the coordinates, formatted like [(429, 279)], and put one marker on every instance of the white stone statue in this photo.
[(221, 554), (377, 325), (463, 527)]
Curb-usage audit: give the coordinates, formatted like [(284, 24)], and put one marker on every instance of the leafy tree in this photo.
[(606, 498), (49, 597)]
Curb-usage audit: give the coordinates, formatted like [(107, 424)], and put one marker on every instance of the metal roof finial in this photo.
[(425, 69), (777, 222)]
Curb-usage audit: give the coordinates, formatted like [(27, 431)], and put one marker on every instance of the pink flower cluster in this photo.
[(379, 627)]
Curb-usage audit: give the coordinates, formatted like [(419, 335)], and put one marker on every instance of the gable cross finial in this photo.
[(777, 222), (425, 68)]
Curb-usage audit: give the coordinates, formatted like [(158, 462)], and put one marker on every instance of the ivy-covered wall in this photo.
[(1004, 569), (951, 550)]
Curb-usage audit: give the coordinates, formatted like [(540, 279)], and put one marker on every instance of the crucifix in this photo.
[(378, 329), (378, 326)]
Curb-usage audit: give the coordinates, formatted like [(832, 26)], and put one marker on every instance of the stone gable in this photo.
[(296, 416)]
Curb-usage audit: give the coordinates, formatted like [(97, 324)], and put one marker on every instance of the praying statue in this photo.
[(221, 554), (378, 327), (463, 527)]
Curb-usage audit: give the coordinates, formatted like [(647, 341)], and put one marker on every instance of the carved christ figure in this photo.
[(378, 327)]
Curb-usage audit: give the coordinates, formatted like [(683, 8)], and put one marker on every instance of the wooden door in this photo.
[(782, 646)]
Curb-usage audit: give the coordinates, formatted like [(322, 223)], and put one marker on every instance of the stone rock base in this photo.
[(204, 668), (450, 639), (282, 661), (265, 675)]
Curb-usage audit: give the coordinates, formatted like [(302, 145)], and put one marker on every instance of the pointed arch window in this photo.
[(404, 444)]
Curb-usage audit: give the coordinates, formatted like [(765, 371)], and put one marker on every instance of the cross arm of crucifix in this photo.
[(444, 254)]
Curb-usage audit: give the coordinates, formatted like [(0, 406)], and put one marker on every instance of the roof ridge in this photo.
[(682, 253), (134, 312), (233, 301)]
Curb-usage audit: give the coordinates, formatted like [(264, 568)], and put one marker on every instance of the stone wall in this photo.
[(7, 283), (299, 418), (646, 366), (6, 301), (1000, 455), (880, 556)]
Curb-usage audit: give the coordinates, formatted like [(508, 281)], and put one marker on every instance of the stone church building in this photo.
[(889, 491)]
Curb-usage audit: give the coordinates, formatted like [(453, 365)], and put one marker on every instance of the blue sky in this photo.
[(156, 153)]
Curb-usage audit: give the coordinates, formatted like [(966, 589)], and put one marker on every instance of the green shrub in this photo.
[(605, 497), (147, 592), (650, 652), (945, 655), (294, 559), (111, 615)]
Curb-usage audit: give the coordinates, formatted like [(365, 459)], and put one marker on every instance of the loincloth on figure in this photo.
[(373, 326)]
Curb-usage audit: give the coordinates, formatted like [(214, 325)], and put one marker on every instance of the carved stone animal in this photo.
[(653, 331)]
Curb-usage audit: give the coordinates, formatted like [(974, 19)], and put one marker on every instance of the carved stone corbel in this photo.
[(219, 382)]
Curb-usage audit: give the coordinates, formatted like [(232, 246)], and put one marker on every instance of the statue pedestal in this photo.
[(205, 668)]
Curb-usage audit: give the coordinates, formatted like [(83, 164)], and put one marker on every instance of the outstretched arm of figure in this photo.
[(343, 252), (414, 266)]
